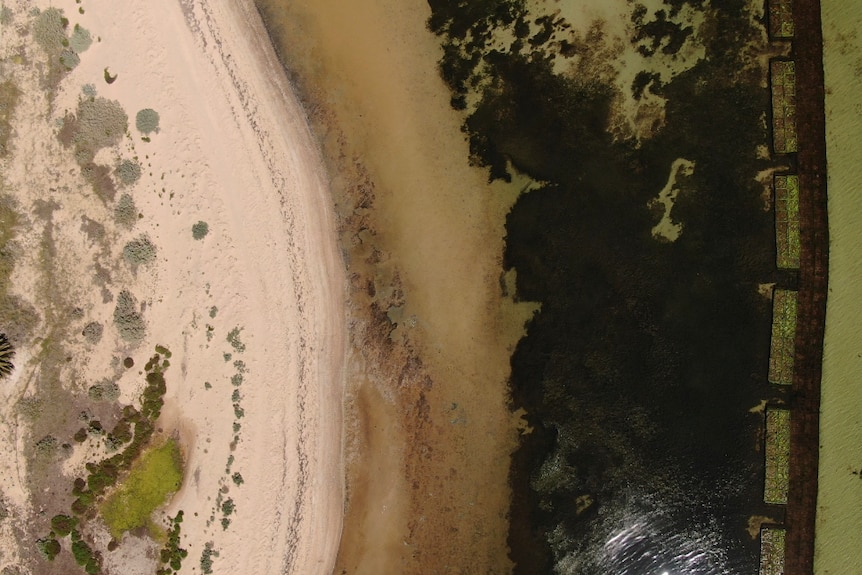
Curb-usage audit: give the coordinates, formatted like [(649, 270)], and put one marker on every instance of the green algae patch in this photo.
[(772, 544), (152, 479), (781, 351), (777, 479), (787, 221)]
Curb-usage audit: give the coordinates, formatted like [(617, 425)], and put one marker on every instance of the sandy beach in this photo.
[(260, 296)]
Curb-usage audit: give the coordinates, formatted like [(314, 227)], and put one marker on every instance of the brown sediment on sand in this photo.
[(814, 248)]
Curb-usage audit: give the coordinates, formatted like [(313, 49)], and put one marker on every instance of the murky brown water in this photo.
[(431, 431)]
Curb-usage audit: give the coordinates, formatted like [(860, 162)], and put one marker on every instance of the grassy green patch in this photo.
[(150, 481), (777, 456)]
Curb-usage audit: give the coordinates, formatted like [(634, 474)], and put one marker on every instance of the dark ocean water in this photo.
[(641, 370)]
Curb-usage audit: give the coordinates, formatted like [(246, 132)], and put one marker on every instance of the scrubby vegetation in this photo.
[(161, 469), (172, 555), (92, 332), (234, 341), (99, 123), (80, 39), (200, 230), (125, 212), (129, 323), (207, 558), (49, 31), (147, 121), (139, 252), (128, 171)]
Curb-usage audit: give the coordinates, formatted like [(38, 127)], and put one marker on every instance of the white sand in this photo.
[(233, 150)]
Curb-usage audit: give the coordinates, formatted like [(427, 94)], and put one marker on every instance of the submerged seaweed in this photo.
[(638, 373)]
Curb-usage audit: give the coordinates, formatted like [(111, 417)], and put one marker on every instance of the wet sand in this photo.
[(428, 456), (839, 498)]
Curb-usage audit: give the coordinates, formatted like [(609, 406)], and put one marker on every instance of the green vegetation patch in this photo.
[(777, 456), (787, 221), (783, 73), (781, 18), (150, 482), (772, 543), (783, 334), (9, 95), (172, 555)]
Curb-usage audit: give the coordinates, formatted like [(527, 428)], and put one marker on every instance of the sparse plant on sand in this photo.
[(200, 230), (147, 121), (92, 332), (234, 341), (130, 324), (139, 252)]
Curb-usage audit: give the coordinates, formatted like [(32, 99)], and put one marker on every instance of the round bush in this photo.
[(139, 252), (200, 230), (128, 171), (147, 121)]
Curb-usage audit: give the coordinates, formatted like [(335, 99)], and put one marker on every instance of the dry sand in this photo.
[(234, 150), (839, 498)]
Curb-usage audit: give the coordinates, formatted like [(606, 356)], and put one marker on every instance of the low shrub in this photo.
[(200, 230), (139, 252), (129, 323), (125, 212), (128, 171), (92, 332), (62, 525), (147, 121)]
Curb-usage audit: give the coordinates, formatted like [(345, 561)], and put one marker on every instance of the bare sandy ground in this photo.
[(234, 150), (839, 496)]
